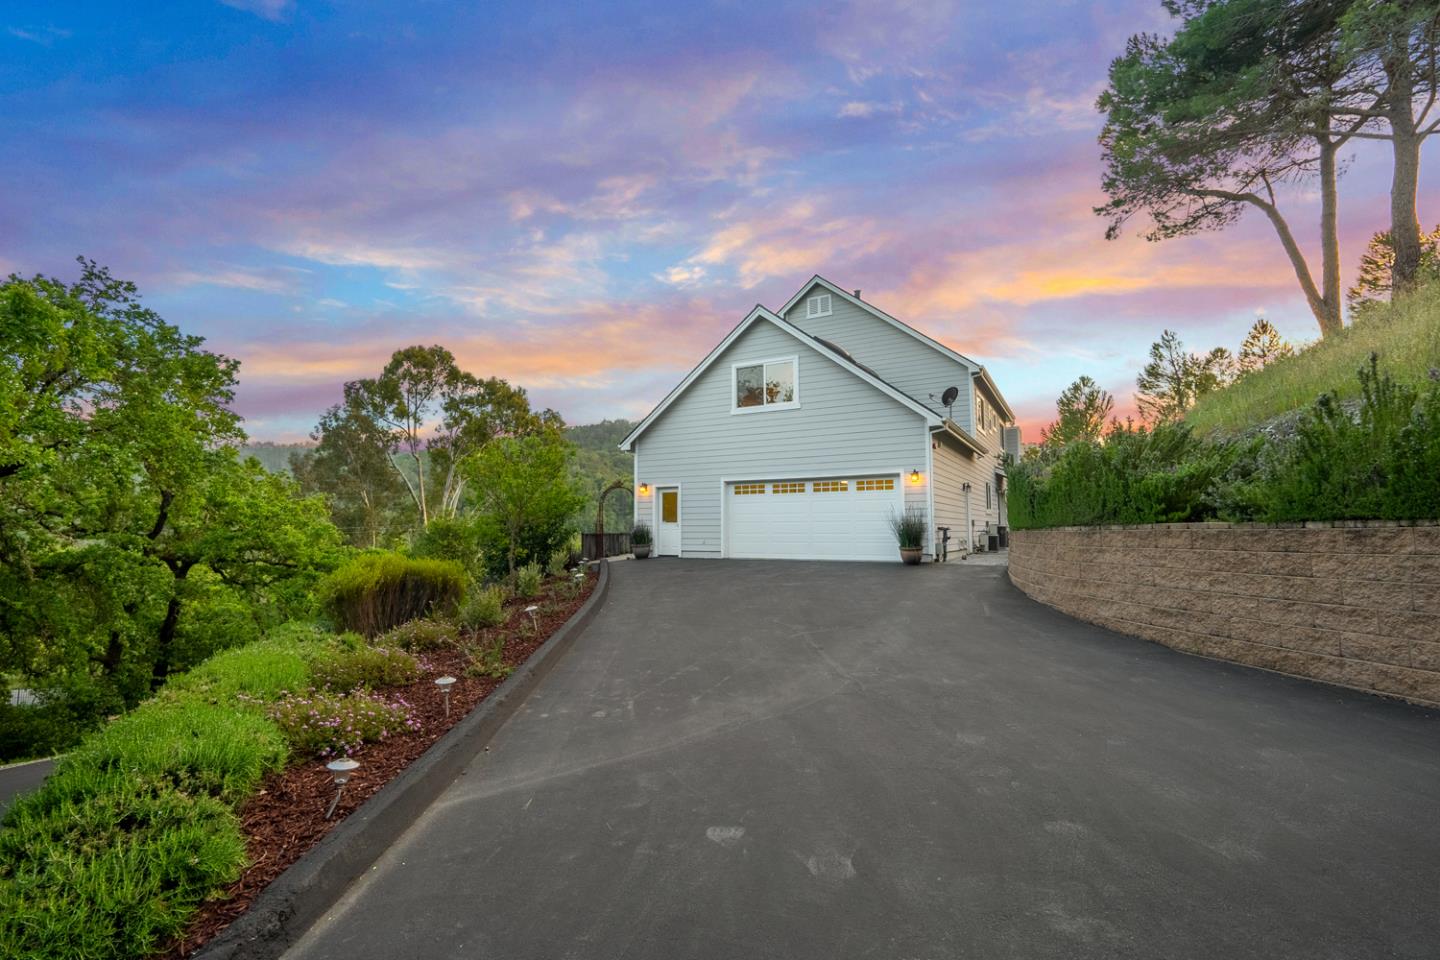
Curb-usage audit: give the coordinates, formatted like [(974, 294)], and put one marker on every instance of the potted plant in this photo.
[(909, 528), (640, 541)]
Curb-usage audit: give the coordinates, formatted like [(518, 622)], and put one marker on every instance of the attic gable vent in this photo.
[(818, 306)]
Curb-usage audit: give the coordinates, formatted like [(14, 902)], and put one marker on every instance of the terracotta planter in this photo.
[(911, 555), (641, 551)]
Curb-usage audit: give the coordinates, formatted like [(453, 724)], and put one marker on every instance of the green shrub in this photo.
[(263, 670), (1380, 461), (344, 669), (60, 720), (379, 591), (136, 828), (451, 539), (328, 724), (1136, 475), (114, 874), (421, 635), (528, 579), (299, 632), (483, 608), (559, 561), (215, 617), (641, 536), (489, 661), (1375, 459), (220, 749)]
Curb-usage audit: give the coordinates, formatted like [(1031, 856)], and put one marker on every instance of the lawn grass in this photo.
[(1406, 336)]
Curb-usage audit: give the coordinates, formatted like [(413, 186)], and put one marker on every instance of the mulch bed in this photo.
[(287, 817)]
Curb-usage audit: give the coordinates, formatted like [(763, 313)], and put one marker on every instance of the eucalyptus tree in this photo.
[(427, 415), (350, 464)]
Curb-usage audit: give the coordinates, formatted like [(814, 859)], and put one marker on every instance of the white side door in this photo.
[(667, 521)]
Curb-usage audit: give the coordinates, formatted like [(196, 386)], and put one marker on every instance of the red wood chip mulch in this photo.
[(287, 817)]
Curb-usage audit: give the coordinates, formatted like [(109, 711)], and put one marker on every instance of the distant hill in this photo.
[(274, 456), (598, 461)]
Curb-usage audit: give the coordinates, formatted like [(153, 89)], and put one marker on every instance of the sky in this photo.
[(584, 198)]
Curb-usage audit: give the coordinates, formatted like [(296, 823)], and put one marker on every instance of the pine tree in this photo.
[(1375, 282), (1262, 346), (1174, 378), (1081, 413)]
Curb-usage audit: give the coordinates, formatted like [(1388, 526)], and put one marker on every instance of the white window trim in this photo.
[(817, 312), (735, 407)]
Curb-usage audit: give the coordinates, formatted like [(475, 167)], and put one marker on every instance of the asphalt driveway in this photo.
[(751, 759)]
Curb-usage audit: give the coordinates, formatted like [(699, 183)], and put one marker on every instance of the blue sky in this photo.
[(583, 198)]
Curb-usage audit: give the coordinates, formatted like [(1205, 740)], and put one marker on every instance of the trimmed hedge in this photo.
[(1375, 459), (377, 592)]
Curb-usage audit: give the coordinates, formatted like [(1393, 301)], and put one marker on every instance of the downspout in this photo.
[(969, 524), (930, 442)]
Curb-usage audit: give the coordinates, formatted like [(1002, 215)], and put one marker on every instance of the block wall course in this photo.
[(1355, 604)]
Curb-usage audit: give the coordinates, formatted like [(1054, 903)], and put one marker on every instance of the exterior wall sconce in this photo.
[(915, 477), (340, 771), (644, 489)]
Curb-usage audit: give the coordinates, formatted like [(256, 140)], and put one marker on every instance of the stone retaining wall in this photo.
[(1353, 604)]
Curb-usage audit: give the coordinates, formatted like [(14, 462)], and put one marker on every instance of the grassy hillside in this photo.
[(1406, 336)]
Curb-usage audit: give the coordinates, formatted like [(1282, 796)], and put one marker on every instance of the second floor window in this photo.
[(766, 384)]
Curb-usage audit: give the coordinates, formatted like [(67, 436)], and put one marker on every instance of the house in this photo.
[(807, 428)]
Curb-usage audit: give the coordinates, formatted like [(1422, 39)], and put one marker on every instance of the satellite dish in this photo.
[(948, 399)]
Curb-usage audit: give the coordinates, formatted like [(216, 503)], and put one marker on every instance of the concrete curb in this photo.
[(301, 895)]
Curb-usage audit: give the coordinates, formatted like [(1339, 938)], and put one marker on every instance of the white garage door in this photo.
[(829, 519)]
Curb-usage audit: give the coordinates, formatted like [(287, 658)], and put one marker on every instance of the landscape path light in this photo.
[(340, 771), (534, 626), (445, 683)]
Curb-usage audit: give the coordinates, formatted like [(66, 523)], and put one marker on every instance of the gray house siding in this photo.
[(842, 425), (954, 467), (913, 367)]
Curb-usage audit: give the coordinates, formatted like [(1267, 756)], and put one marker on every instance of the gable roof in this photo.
[(878, 313), (977, 371), (828, 350)]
